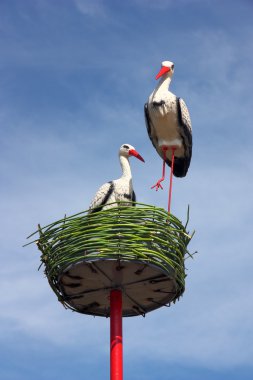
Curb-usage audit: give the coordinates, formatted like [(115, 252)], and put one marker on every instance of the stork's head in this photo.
[(167, 68), (127, 150)]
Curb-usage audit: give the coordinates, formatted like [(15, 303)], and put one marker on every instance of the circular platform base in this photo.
[(86, 286)]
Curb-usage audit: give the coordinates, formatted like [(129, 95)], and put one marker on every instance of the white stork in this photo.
[(119, 189), (169, 125)]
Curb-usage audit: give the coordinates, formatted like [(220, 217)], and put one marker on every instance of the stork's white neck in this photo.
[(126, 170), (164, 84)]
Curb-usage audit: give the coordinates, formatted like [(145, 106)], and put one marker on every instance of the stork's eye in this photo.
[(126, 146), (172, 66)]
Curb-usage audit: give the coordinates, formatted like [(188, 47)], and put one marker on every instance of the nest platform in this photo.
[(139, 250)]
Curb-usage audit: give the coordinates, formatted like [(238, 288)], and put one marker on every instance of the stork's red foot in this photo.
[(158, 184)]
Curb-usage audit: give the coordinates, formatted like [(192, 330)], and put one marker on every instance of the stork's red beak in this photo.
[(133, 152), (163, 71)]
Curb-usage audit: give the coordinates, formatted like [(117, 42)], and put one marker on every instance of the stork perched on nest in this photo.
[(118, 190), (169, 125)]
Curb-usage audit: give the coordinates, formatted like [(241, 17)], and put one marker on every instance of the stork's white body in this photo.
[(118, 190), (165, 115), (169, 125)]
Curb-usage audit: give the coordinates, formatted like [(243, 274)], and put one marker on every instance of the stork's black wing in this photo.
[(182, 164), (101, 198), (133, 198), (150, 129)]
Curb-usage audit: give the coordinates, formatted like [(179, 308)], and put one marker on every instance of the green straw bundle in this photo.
[(144, 233)]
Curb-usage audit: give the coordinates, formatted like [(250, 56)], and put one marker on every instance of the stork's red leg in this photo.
[(171, 175), (158, 183)]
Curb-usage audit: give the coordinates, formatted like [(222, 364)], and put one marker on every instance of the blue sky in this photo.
[(74, 76)]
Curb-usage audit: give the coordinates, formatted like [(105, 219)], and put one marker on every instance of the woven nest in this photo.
[(140, 250)]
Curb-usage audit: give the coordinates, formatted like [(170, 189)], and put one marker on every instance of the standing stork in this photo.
[(169, 126), (118, 190)]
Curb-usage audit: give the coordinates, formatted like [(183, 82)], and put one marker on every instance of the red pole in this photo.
[(116, 335)]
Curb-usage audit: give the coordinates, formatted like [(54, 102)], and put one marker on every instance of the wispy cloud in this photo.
[(163, 4), (94, 8), (71, 92)]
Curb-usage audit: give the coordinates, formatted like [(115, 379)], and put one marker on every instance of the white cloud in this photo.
[(55, 168), (163, 4), (91, 8)]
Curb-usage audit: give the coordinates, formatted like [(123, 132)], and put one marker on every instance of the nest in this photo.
[(83, 255)]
